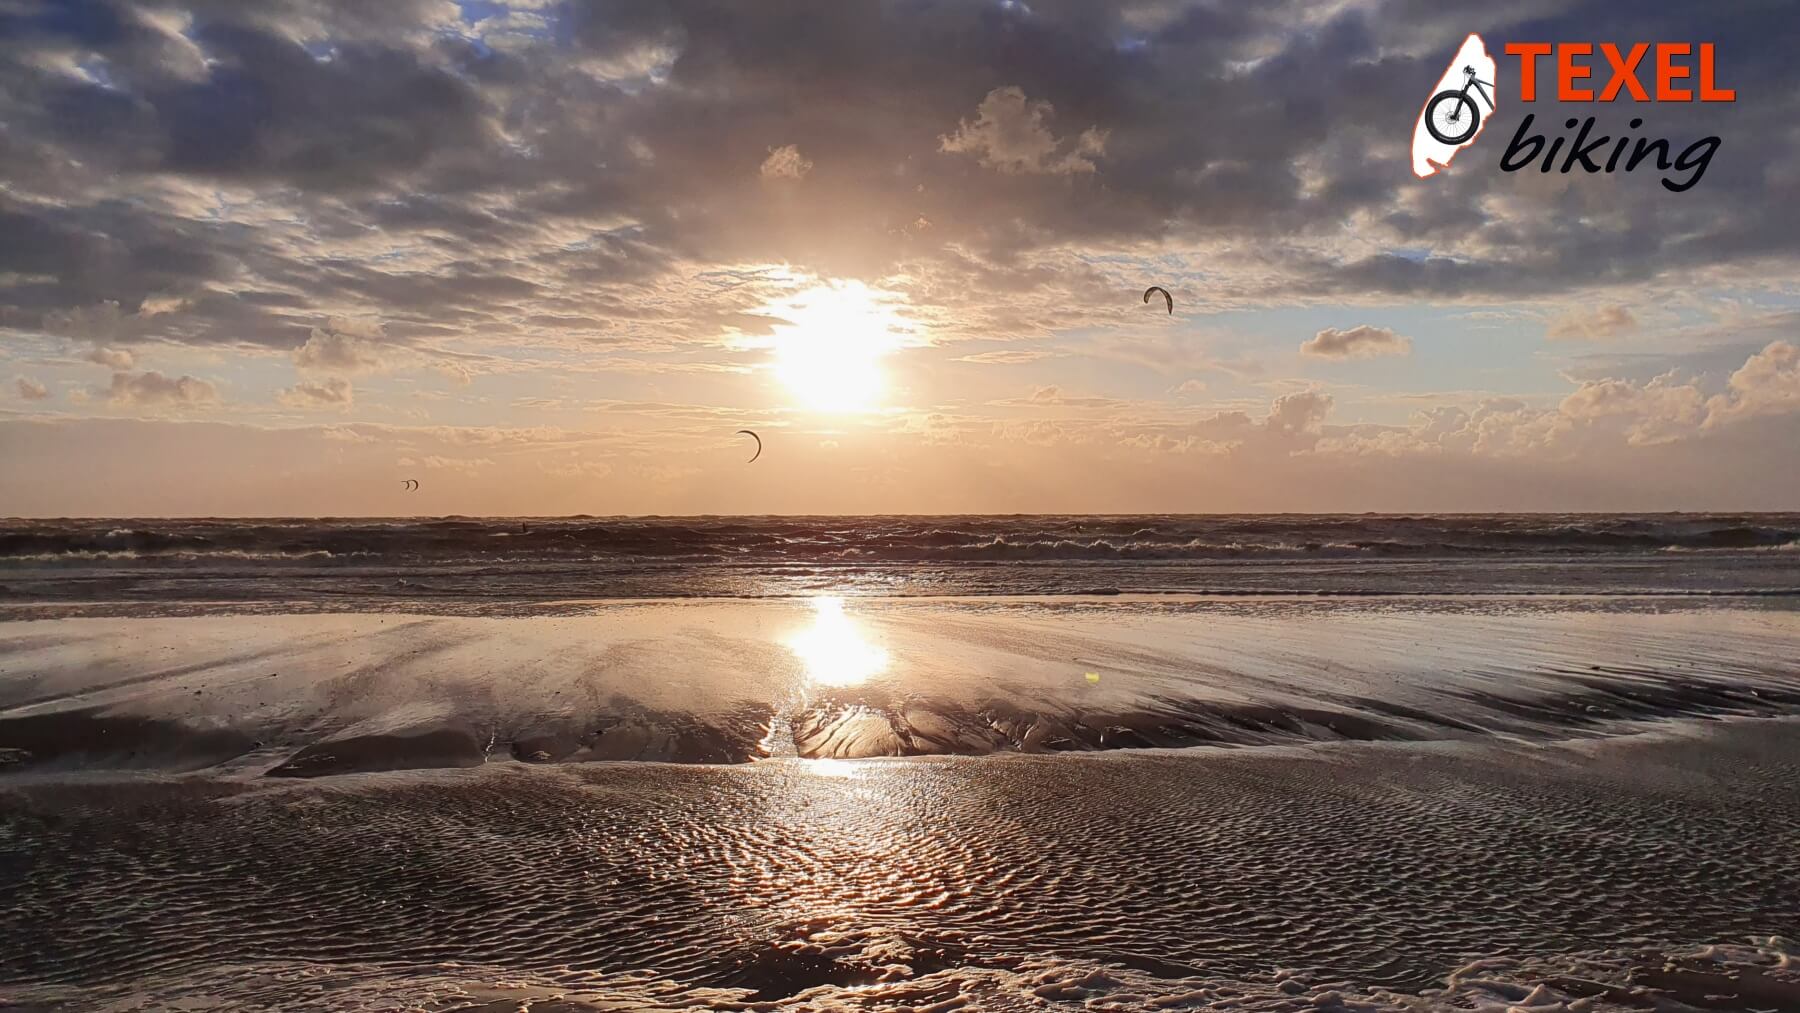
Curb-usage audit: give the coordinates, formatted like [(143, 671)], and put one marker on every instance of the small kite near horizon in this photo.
[(410, 484), (758, 439), (1165, 294)]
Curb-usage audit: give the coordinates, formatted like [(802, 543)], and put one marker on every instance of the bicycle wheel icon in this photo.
[(1452, 116)]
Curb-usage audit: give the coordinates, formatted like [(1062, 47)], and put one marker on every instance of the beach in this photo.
[(988, 506), (1129, 798)]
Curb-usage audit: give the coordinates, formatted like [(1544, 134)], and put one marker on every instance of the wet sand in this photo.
[(931, 805), (1186, 878), (729, 682)]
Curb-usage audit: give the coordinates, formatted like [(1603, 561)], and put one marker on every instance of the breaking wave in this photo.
[(900, 539)]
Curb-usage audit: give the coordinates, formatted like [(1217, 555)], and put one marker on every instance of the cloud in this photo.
[(239, 170), (576, 468), (333, 392), (1597, 324), (342, 347), (227, 182), (1599, 417), (1291, 453), (1668, 408), (1360, 342), (457, 373), (29, 389), (1009, 134), (153, 388), (1299, 413), (1053, 396), (1007, 356), (344, 434), (785, 162), (1767, 384), (96, 322), (464, 465), (1176, 353), (99, 323), (1660, 410), (111, 358)]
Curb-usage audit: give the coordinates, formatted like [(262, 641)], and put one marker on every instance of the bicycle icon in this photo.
[(1452, 115)]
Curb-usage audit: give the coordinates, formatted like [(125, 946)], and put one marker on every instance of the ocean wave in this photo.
[(1793, 546), (1014, 547), (128, 555), (659, 557)]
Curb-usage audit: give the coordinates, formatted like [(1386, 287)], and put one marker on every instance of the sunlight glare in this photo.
[(834, 650), (831, 767), (829, 348)]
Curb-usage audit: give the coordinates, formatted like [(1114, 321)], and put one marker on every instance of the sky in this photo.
[(549, 256)]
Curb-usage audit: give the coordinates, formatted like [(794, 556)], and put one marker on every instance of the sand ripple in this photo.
[(1370, 868)]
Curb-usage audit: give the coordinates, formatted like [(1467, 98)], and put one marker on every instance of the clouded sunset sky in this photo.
[(548, 257)]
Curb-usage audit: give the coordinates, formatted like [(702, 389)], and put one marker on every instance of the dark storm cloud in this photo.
[(107, 251), (258, 168), (235, 95)]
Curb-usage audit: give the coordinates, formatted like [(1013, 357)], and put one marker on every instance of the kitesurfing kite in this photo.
[(1165, 294), (758, 440), (410, 484)]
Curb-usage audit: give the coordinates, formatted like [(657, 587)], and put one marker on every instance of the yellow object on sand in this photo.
[(1094, 677)]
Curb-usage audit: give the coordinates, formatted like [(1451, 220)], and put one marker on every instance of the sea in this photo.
[(502, 563)]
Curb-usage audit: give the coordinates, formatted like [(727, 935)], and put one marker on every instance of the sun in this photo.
[(828, 349)]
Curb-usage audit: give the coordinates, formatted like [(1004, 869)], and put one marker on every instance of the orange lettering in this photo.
[(1527, 52), (1625, 71), (1708, 93), (1667, 73), (1568, 72)]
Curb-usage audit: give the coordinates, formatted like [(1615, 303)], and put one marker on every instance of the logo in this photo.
[(1451, 117), (1642, 73)]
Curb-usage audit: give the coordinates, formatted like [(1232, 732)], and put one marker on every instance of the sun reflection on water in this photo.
[(828, 767), (834, 649)]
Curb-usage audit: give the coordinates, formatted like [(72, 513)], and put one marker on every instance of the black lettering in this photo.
[(1584, 150), (1642, 151), (1613, 162), (1579, 152), (1550, 159), (1686, 161), (1507, 164)]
